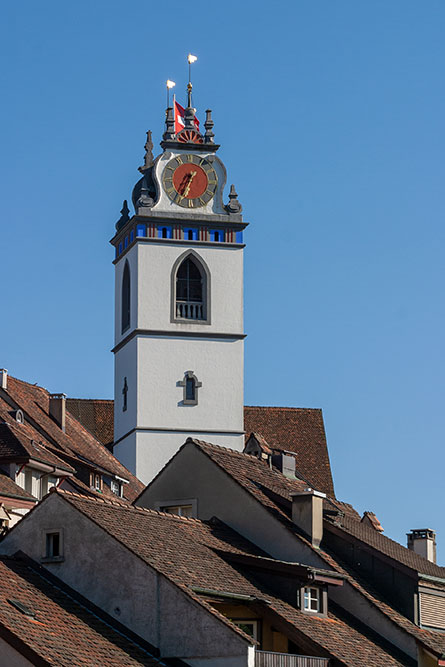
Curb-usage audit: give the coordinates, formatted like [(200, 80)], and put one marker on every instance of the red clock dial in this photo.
[(190, 180)]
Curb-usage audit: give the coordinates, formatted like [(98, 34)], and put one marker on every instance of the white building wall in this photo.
[(156, 359)]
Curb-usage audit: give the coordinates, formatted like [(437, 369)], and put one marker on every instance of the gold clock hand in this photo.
[(187, 187)]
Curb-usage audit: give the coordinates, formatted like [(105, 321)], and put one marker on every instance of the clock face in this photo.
[(189, 181)]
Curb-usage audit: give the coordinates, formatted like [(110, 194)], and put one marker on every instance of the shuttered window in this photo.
[(432, 610)]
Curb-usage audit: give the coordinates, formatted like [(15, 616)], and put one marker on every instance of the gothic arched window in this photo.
[(126, 298), (190, 290)]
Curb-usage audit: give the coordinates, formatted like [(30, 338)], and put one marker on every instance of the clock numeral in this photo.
[(202, 202), (170, 191), (212, 182), (190, 203), (179, 160), (201, 162), (209, 192), (189, 158)]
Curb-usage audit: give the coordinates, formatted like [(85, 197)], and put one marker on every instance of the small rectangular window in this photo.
[(98, 482), (120, 248), (165, 232), (311, 599), (141, 230), (53, 545), (239, 237), (216, 235), (190, 234), (126, 242), (180, 510), (116, 487)]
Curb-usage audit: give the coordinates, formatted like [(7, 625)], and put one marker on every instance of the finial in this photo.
[(189, 94), (125, 215), (148, 158), (208, 137), (169, 133), (234, 205)]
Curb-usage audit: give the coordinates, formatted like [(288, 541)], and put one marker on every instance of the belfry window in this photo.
[(126, 298), (190, 303)]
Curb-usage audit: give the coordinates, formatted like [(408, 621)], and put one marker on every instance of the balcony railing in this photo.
[(270, 659), (190, 310)]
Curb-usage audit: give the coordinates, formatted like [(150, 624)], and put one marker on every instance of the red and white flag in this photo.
[(179, 118)]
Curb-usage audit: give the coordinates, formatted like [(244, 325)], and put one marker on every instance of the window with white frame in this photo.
[(116, 487), (180, 510), (312, 599)]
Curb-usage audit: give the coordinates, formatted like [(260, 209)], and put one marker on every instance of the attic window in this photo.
[(53, 545), (98, 482), (312, 599), (22, 607), (19, 417), (179, 510), (116, 487)]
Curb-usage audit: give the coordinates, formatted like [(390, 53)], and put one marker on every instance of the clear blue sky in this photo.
[(331, 120)]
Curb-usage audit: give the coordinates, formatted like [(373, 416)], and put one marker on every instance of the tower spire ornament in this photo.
[(148, 157)]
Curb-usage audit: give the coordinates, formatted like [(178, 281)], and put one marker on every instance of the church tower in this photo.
[(178, 303)]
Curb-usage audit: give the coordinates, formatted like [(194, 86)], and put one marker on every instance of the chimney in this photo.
[(423, 542), (285, 463), (3, 378), (307, 514), (57, 409)]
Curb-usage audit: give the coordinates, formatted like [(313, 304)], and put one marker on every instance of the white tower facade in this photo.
[(178, 305)]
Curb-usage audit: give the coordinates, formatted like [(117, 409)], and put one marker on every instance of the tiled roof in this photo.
[(258, 479), (297, 430), (388, 547), (96, 415), (76, 444), (18, 441), (191, 554), (10, 489), (64, 631)]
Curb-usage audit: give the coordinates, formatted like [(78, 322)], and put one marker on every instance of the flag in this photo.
[(179, 119)]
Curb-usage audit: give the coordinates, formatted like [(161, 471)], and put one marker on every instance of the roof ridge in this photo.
[(118, 503), (96, 400), (282, 407)]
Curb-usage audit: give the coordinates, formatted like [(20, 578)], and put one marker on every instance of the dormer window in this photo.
[(311, 599)]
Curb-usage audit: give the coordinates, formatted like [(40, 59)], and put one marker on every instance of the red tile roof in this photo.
[(62, 631), (10, 489), (96, 415), (17, 442), (76, 445), (191, 554), (298, 430), (383, 544), (273, 490)]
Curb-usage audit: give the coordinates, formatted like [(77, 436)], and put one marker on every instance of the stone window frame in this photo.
[(202, 266), (189, 375), (51, 558)]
